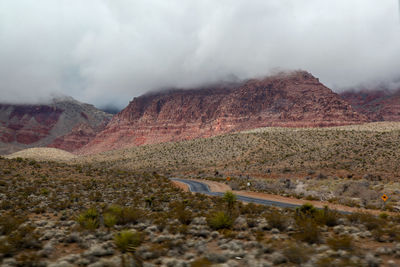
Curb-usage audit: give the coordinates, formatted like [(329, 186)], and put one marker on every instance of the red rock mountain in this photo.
[(378, 105), (290, 100), (65, 123)]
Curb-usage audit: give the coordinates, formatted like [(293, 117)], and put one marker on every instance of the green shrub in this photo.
[(230, 200), (306, 210), (109, 220), (128, 241), (220, 220), (125, 215), (89, 219), (383, 216), (327, 217)]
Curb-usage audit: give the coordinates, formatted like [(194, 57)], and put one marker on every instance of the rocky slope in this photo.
[(64, 123), (292, 100), (378, 105)]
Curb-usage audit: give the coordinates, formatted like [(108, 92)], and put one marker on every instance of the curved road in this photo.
[(198, 187)]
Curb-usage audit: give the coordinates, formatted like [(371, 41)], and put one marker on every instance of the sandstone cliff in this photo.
[(64, 123), (291, 100), (378, 105)]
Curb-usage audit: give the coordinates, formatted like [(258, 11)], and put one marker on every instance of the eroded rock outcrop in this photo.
[(378, 105), (291, 100), (64, 123)]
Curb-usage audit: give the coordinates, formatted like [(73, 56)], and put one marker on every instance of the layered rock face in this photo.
[(64, 123), (291, 100), (378, 105)]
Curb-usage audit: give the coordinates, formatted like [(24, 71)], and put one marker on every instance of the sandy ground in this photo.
[(43, 154), (215, 186), (220, 187), (182, 186)]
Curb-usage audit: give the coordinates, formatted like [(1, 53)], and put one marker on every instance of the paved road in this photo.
[(199, 187)]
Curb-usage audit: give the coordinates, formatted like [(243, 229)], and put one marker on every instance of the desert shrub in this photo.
[(89, 219), (160, 219), (393, 232), (383, 216), (22, 238), (251, 208), (327, 217), (308, 231), (128, 241), (184, 215), (296, 253), (9, 223), (125, 215), (220, 220), (277, 220), (109, 220), (230, 199), (306, 210), (321, 217), (371, 222), (341, 243)]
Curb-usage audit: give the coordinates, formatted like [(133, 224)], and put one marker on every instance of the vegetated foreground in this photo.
[(350, 165), (54, 214)]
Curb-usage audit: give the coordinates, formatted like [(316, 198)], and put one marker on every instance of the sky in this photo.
[(106, 52)]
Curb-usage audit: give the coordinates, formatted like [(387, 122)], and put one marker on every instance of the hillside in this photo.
[(378, 105), (64, 123), (291, 100), (43, 154), (351, 165), (360, 149)]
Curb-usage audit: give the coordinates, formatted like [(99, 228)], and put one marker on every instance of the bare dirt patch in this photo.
[(181, 185), (43, 154), (215, 186)]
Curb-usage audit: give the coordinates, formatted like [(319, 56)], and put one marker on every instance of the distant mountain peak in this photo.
[(62, 123)]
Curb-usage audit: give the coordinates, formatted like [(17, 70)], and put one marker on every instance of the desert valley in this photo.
[(199, 133), (82, 187)]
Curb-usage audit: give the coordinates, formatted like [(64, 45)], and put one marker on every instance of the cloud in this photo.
[(108, 51)]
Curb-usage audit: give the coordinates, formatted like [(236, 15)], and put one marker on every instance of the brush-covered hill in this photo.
[(369, 149), (64, 123), (294, 99)]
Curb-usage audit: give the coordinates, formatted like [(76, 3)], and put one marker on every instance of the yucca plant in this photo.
[(128, 241)]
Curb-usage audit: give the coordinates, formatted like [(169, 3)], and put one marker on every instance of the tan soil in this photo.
[(43, 154), (181, 185), (215, 186)]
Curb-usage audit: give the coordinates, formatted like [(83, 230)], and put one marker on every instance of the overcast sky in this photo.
[(109, 51)]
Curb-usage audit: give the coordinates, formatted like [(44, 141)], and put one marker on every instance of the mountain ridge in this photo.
[(63, 123), (295, 99)]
